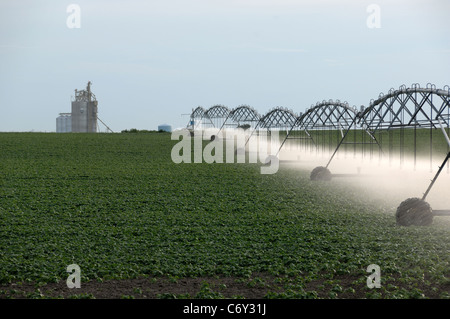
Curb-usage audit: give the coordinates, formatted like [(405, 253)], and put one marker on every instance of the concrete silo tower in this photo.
[(84, 111), (64, 123)]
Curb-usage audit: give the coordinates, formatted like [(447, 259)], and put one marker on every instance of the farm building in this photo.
[(83, 116)]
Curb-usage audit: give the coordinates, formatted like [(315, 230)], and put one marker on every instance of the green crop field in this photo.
[(117, 206)]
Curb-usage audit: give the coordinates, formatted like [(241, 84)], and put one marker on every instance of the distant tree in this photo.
[(133, 130)]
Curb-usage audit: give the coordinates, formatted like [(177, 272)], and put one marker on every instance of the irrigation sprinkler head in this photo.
[(320, 173), (414, 211)]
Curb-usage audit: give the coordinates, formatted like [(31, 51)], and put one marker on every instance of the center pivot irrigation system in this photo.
[(399, 123)]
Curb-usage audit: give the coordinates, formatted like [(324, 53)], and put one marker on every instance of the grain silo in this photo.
[(63, 123), (68, 122), (84, 111), (59, 124)]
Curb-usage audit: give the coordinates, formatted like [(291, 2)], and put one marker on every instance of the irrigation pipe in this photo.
[(444, 132)]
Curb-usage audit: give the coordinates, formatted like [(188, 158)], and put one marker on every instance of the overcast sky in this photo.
[(152, 61)]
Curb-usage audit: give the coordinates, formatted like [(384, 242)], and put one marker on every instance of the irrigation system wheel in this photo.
[(414, 211), (320, 173)]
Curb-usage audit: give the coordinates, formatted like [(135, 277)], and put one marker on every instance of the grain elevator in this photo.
[(83, 118), (84, 111)]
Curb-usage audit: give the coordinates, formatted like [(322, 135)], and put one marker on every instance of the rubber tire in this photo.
[(320, 173), (213, 137), (414, 211)]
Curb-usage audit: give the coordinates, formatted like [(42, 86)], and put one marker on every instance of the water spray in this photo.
[(416, 211), (390, 115)]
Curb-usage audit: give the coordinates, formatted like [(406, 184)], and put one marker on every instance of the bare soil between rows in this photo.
[(256, 287)]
